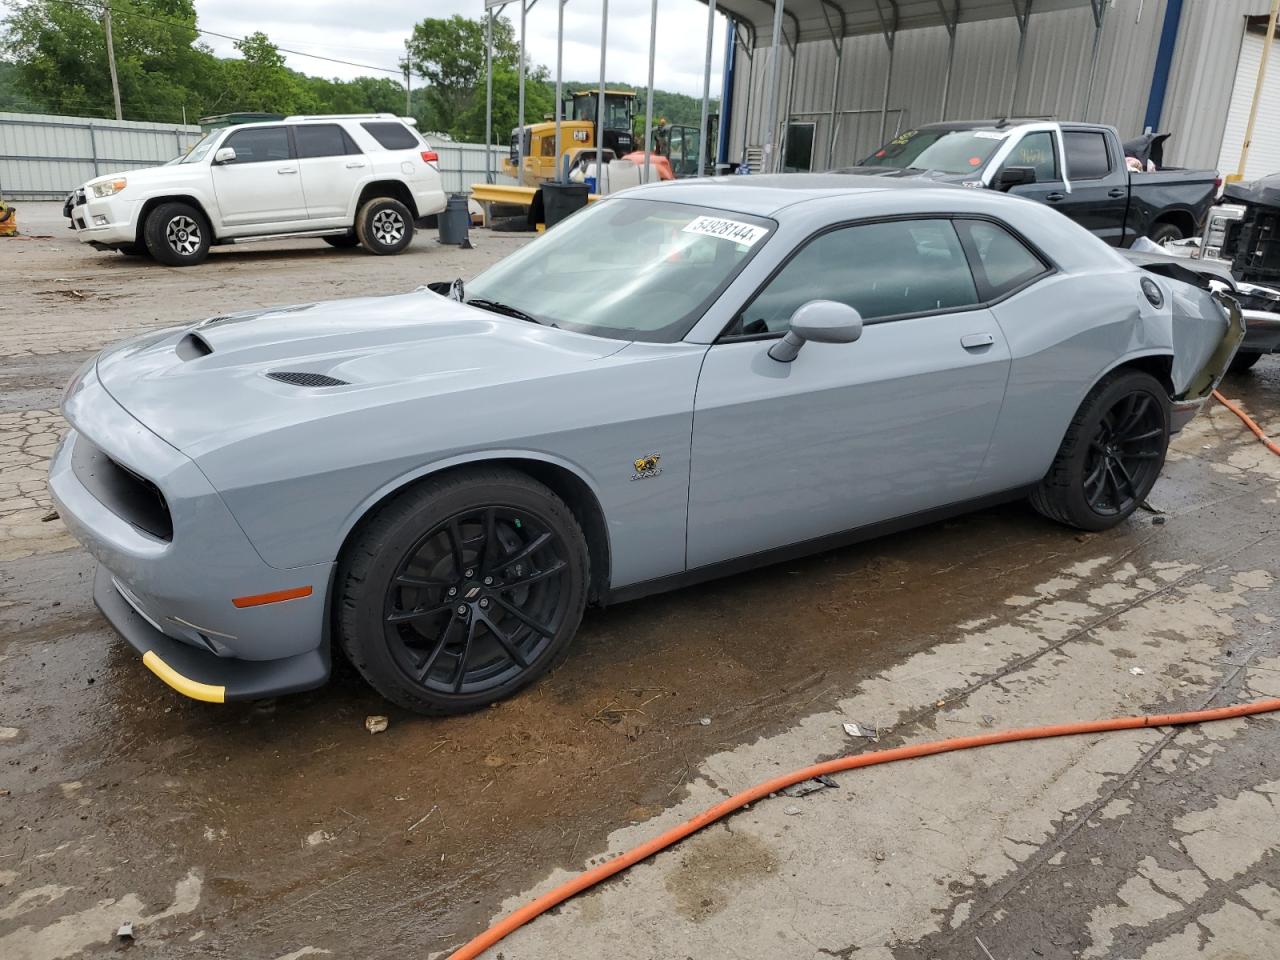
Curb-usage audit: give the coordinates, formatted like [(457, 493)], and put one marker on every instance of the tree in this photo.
[(449, 53)]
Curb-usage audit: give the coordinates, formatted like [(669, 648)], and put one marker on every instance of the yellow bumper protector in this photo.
[(184, 685)]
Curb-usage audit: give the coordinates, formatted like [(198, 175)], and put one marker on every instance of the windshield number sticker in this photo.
[(747, 234), (989, 135)]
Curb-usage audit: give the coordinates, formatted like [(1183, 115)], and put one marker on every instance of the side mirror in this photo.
[(225, 155), (822, 321), (1015, 177)]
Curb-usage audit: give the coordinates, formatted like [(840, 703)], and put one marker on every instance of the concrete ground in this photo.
[(284, 829)]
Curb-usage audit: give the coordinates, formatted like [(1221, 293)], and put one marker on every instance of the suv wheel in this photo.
[(462, 590), (384, 226), (177, 234), (1111, 455)]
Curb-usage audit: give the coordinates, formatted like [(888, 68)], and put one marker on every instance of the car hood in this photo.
[(202, 385)]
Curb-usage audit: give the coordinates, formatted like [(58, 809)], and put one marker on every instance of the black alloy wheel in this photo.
[(1111, 455), (477, 600), (1125, 455), (462, 589)]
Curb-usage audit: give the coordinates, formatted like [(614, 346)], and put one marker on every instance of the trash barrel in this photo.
[(454, 221), (561, 199)]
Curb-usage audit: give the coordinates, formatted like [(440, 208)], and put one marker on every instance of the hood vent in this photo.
[(302, 379), (193, 347)]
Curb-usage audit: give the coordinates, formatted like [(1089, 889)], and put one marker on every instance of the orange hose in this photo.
[(1248, 422), (587, 879)]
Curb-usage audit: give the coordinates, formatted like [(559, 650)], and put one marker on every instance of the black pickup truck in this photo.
[(1078, 168)]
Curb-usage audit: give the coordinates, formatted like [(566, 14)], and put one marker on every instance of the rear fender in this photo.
[(1207, 330)]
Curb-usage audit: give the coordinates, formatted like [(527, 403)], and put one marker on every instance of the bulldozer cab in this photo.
[(619, 107)]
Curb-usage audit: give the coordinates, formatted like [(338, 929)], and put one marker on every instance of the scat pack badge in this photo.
[(647, 467)]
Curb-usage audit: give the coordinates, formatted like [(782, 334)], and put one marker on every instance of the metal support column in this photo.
[(706, 96), (837, 43), (768, 162), (604, 45), (1099, 16), (949, 21), (488, 93), (524, 10), (890, 30), (648, 100), (559, 87), (1023, 18), (791, 92), (748, 49)]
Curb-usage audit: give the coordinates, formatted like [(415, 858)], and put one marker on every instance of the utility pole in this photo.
[(111, 57), (408, 72)]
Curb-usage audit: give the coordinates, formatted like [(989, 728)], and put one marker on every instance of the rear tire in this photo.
[(1162, 233), (177, 235), (462, 590), (1111, 456), (343, 242), (1244, 360), (384, 226)]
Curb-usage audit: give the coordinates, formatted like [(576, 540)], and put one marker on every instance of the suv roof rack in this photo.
[(1007, 121), (342, 116)]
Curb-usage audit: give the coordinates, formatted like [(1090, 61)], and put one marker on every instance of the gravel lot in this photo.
[(282, 829)]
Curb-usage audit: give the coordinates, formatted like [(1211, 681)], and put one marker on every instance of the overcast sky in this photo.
[(374, 33)]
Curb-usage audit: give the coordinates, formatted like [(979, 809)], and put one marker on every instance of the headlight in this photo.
[(109, 187)]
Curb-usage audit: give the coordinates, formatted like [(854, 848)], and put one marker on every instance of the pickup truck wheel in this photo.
[(462, 590), (1244, 360), (1163, 233), (384, 226), (342, 242), (177, 234), (1111, 455)]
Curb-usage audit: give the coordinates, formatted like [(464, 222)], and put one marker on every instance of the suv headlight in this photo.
[(109, 187)]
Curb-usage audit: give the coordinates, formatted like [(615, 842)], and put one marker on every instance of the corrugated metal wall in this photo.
[(1054, 78), (46, 157)]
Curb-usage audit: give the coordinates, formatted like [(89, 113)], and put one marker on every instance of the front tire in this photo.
[(384, 226), (177, 235), (462, 590), (1111, 455)]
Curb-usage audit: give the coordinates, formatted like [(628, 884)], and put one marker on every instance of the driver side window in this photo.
[(890, 269), (1036, 150)]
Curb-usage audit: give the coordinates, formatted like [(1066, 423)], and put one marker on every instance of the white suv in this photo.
[(346, 179)]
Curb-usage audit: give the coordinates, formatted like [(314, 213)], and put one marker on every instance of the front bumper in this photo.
[(170, 593), (105, 221), (199, 674), (1205, 380)]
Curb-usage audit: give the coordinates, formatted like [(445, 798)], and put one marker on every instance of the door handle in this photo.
[(1055, 197), (283, 170), (976, 341), (1115, 193), (355, 165)]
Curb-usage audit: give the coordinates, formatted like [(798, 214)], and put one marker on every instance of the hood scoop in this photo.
[(300, 378)]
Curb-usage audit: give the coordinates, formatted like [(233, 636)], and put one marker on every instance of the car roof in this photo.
[(766, 194)]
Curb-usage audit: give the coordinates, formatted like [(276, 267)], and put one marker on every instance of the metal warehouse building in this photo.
[(1186, 66)]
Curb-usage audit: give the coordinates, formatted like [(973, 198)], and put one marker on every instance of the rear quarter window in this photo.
[(392, 135)]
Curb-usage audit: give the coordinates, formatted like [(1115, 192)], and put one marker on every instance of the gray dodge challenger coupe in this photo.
[(681, 380)]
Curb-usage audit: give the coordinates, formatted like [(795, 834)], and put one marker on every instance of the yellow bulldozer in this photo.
[(577, 135)]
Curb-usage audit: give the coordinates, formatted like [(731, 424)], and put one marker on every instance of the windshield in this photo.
[(945, 151), (197, 152), (626, 268)]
